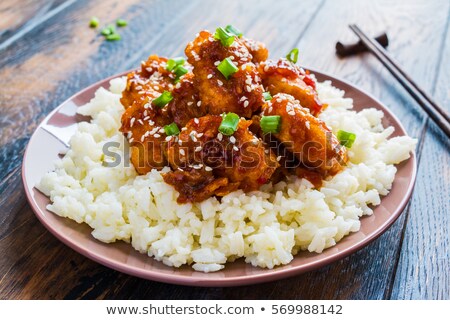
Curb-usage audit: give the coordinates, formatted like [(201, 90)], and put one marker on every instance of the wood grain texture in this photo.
[(62, 55), (424, 266)]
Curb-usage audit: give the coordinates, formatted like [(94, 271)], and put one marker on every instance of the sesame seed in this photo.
[(278, 158), (208, 168), (169, 138), (231, 57), (131, 140), (219, 136), (142, 138), (200, 135), (246, 103), (235, 148), (178, 85), (190, 103), (266, 68), (243, 98), (132, 122), (248, 80), (140, 121), (182, 152), (157, 135), (180, 142), (220, 83), (292, 113), (199, 104), (162, 130), (193, 138), (197, 149), (196, 120), (180, 169), (145, 113), (129, 134), (216, 63), (232, 139), (266, 151), (146, 118), (307, 125), (209, 76), (183, 129), (156, 87), (248, 88)]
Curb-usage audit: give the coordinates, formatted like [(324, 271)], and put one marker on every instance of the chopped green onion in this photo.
[(227, 67), (121, 23), (173, 63), (233, 30), (113, 37), (110, 29), (267, 96), (224, 36), (292, 56), (229, 124), (346, 138), (171, 129), (94, 22), (180, 71), (163, 99), (270, 124)]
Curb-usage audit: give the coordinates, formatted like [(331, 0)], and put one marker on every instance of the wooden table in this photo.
[(48, 53)]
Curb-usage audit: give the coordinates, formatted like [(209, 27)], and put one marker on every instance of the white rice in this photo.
[(267, 227)]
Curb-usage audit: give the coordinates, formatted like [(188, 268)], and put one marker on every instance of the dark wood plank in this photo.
[(20, 17), (153, 28), (423, 271)]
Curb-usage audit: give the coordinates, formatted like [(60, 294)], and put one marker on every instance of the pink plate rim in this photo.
[(210, 280)]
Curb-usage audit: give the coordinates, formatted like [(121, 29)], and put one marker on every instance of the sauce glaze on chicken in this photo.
[(204, 161)]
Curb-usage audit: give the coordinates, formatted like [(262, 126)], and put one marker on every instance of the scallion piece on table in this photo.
[(171, 129), (108, 30), (163, 99), (229, 124), (292, 56), (113, 37), (174, 62), (224, 36), (267, 96), (227, 67), (121, 23), (233, 30), (94, 22), (270, 124), (345, 138)]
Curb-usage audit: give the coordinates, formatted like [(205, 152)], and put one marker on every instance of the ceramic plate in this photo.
[(43, 150)]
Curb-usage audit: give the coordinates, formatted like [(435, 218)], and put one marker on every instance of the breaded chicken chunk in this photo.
[(283, 76), (207, 163), (309, 138), (241, 93)]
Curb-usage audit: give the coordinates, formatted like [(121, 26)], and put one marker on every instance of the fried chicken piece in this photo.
[(222, 163), (143, 125), (185, 104), (306, 136), (241, 93), (257, 49), (150, 78), (283, 76)]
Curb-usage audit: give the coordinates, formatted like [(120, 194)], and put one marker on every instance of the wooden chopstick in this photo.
[(439, 115)]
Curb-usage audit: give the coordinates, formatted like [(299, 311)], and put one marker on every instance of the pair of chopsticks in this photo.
[(438, 114)]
